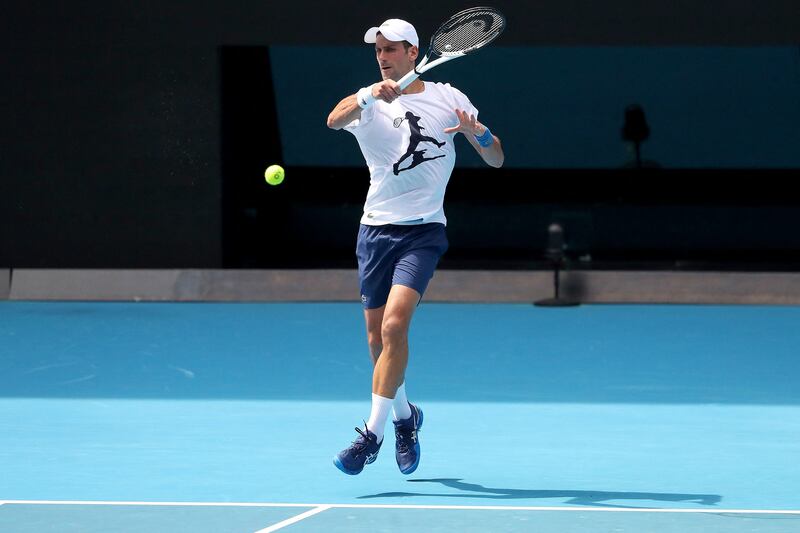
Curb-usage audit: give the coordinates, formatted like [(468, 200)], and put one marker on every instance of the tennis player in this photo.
[(406, 138)]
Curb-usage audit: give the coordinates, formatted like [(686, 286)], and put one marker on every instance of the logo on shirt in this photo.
[(417, 156)]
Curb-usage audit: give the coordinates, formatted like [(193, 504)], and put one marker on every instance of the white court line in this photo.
[(159, 504), (409, 506), (294, 519)]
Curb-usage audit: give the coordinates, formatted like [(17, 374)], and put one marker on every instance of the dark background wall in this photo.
[(563, 107), (134, 134)]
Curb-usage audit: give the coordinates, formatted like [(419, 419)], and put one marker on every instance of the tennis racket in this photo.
[(465, 32)]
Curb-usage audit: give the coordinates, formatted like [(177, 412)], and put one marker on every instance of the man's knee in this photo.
[(394, 329)]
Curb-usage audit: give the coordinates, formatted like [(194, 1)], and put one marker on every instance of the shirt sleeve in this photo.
[(462, 102), (366, 118)]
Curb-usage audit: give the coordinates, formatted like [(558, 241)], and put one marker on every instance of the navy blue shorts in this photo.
[(397, 255)]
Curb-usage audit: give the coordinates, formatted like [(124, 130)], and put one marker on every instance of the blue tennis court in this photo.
[(172, 417)]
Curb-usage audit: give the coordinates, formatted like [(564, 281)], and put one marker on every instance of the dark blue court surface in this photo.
[(598, 418)]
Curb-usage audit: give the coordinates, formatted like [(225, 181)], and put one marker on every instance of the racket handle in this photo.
[(408, 79)]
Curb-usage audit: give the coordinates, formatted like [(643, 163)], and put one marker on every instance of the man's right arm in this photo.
[(348, 109), (344, 113)]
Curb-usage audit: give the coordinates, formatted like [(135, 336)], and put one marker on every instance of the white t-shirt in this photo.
[(410, 157)]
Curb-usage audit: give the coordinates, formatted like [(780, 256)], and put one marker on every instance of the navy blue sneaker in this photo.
[(407, 445), (363, 451)]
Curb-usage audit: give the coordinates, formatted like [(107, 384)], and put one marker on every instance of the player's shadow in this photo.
[(594, 498)]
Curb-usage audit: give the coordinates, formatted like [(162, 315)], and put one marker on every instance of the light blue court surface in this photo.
[(225, 417)]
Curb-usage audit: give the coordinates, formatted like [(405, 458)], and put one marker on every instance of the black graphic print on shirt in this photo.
[(417, 156)]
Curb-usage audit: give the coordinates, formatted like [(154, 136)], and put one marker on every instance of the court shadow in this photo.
[(576, 497)]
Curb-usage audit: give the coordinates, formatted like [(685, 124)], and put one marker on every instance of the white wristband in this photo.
[(364, 97)]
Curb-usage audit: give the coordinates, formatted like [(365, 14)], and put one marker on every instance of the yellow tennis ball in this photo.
[(274, 174)]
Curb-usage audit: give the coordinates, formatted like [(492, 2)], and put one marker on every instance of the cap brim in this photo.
[(371, 35)]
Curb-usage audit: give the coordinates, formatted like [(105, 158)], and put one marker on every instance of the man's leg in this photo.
[(389, 372), (390, 368), (374, 320), (389, 375)]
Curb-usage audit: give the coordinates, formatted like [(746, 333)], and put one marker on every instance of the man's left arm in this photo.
[(484, 141)]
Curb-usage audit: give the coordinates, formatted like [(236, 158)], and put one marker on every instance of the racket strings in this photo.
[(467, 31)]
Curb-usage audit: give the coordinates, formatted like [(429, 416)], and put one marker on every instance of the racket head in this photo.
[(467, 31)]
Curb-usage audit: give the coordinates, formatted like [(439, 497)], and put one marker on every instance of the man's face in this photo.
[(393, 59)]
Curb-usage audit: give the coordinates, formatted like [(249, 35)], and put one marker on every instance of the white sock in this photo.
[(379, 414), (400, 408)]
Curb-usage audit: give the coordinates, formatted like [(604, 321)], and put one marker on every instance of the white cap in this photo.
[(395, 30)]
